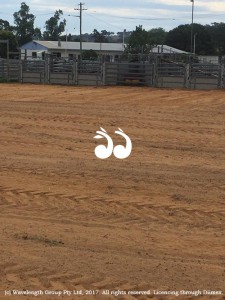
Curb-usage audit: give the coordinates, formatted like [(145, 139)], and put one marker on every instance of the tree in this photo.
[(68, 38), (4, 25), (37, 34), (89, 54), (180, 37), (157, 36), (24, 22), (54, 27), (13, 43), (100, 37), (217, 33), (106, 33), (123, 36), (138, 41)]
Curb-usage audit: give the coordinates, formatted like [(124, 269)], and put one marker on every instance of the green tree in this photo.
[(138, 41), (4, 25), (217, 33), (24, 22), (54, 27), (123, 36), (100, 37), (89, 54), (13, 43), (157, 36), (180, 37), (68, 38), (37, 34), (107, 33)]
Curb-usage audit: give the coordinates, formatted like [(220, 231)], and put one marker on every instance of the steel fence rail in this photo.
[(152, 73), (9, 69)]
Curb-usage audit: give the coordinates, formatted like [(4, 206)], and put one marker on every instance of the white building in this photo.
[(164, 49), (37, 49)]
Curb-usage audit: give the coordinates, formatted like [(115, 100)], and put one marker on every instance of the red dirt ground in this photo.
[(69, 220)]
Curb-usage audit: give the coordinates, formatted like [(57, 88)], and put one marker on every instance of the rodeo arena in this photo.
[(57, 62)]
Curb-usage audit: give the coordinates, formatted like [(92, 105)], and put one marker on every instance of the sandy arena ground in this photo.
[(71, 221)]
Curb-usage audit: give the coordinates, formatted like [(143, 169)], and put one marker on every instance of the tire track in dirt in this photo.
[(15, 274), (102, 209)]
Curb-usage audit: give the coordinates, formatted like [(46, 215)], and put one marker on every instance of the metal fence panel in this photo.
[(89, 73), (65, 78), (3, 70), (111, 70), (10, 69), (205, 76), (157, 74), (14, 70), (33, 71), (59, 65), (171, 75), (140, 74)]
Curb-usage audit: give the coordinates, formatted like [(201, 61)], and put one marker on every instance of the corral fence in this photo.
[(151, 73), (61, 71), (9, 70)]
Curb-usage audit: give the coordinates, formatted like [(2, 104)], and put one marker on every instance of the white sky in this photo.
[(114, 15)]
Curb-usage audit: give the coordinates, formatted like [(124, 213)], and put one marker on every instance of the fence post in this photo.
[(187, 75), (221, 76), (155, 74), (104, 73), (2, 73), (8, 69), (4, 66), (46, 70), (20, 69), (76, 73)]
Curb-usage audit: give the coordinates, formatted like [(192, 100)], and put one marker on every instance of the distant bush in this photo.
[(89, 54)]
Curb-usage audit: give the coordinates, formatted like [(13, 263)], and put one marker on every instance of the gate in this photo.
[(205, 76), (33, 71), (139, 74), (89, 73), (60, 71), (171, 75), (54, 70)]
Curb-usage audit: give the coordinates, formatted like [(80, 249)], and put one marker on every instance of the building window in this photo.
[(34, 54)]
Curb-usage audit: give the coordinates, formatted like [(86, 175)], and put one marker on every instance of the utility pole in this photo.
[(80, 16), (192, 25), (124, 37), (195, 43)]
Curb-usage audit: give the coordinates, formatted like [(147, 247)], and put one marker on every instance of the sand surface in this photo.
[(70, 221)]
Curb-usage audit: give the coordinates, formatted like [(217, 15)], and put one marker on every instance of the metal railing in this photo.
[(157, 73)]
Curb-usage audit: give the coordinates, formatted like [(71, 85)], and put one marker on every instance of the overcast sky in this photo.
[(118, 15)]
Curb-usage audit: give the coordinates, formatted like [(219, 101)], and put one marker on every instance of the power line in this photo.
[(134, 18), (46, 14), (103, 21), (198, 16), (137, 18)]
